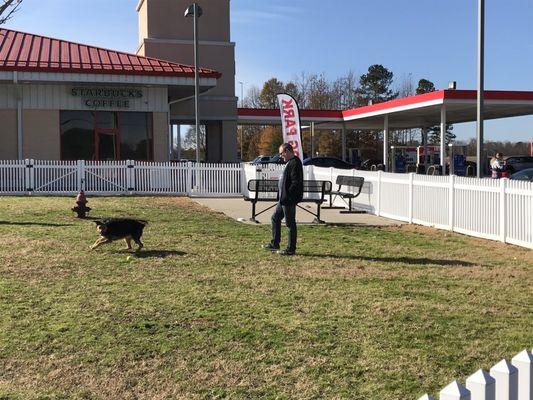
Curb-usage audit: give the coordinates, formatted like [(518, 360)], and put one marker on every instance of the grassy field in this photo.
[(204, 313)]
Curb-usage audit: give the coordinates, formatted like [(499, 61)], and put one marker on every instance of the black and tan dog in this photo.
[(112, 229)]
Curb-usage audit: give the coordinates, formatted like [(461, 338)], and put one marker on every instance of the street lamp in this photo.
[(195, 11)]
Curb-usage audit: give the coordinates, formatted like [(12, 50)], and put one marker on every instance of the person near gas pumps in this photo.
[(498, 167), (290, 193)]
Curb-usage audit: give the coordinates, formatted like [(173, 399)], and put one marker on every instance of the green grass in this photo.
[(203, 312)]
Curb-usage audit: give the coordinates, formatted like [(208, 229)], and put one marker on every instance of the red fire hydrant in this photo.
[(81, 209)]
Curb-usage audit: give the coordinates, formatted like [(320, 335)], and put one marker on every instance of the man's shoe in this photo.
[(286, 252), (270, 247)]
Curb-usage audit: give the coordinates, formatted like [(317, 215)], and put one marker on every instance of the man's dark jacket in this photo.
[(292, 191)]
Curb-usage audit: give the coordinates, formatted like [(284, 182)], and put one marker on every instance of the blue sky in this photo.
[(430, 39)]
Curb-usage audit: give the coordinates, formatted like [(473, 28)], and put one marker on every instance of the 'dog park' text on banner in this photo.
[(290, 123)]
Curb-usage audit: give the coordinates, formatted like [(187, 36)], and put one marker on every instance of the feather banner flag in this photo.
[(290, 123)]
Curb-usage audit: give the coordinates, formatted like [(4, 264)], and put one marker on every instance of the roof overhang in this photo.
[(257, 116), (418, 111), (178, 87), (425, 110)]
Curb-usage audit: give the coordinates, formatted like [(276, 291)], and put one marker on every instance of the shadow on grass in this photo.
[(32, 223), (405, 260), (155, 253)]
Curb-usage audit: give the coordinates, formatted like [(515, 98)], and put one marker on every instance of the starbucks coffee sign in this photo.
[(101, 97)]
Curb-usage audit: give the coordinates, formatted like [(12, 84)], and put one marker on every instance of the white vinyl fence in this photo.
[(119, 178), (497, 209), (505, 381), (487, 208)]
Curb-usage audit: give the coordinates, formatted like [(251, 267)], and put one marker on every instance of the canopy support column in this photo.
[(343, 136), (442, 137), (312, 139), (386, 143)]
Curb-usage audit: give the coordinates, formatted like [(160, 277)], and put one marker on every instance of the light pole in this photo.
[(480, 89), (195, 11)]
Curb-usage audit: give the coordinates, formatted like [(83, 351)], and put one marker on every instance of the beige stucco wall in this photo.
[(164, 18), (41, 134), (169, 36), (8, 134), (160, 125)]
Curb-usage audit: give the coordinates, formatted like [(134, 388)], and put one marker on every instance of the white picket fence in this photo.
[(119, 178), (505, 381), (487, 208), (497, 209)]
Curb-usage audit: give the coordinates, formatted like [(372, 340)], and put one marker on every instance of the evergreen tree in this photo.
[(375, 85)]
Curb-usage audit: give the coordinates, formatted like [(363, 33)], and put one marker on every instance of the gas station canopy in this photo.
[(418, 111)]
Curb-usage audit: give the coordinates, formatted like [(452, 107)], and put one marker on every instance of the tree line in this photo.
[(316, 92)]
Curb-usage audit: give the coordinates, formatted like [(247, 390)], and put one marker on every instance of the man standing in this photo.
[(290, 191)]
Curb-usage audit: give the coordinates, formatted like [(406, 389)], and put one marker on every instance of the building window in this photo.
[(104, 135), (136, 136)]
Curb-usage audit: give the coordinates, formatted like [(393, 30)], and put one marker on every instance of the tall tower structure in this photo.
[(166, 34)]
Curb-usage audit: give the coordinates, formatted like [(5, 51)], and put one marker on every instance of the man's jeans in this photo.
[(289, 212)]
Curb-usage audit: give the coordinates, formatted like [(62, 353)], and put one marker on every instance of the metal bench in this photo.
[(345, 182), (314, 192)]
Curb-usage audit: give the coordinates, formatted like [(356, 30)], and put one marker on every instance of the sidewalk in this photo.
[(241, 210)]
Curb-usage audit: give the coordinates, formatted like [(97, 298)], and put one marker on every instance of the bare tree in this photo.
[(7, 8)]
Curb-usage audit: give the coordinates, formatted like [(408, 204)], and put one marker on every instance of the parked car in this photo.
[(327, 162), (524, 175), (275, 159), (261, 160), (518, 163)]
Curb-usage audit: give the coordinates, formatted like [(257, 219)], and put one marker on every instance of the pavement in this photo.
[(241, 210)]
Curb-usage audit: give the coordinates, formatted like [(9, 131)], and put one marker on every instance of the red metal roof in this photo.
[(21, 51)]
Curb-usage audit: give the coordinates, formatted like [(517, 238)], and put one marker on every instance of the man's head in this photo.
[(286, 151), (499, 155)]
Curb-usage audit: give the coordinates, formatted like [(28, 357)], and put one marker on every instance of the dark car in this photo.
[(524, 175), (275, 159), (518, 163), (327, 162), (261, 160)]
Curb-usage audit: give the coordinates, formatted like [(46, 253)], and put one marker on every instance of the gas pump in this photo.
[(398, 159), (403, 158), (458, 159), (354, 156), (432, 157)]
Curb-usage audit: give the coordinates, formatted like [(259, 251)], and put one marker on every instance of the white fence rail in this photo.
[(119, 178), (505, 381)]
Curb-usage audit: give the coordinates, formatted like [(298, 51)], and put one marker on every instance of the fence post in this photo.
[(379, 194), (454, 391), (29, 176), (189, 178), (80, 174), (523, 361), (506, 377), (411, 196), (130, 175), (451, 202), (481, 385), (503, 186)]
